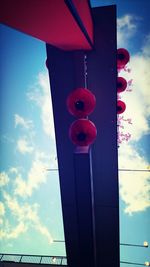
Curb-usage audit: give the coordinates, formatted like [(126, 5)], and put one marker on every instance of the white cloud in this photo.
[(2, 209), (1, 221), (21, 211), (13, 233), (13, 170), (23, 146), (145, 49), (21, 187), (25, 123), (138, 101), (2, 212), (26, 217), (36, 175), (19, 229), (40, 94), (126, 28), (4, 179), (44, 231), (134, 186)]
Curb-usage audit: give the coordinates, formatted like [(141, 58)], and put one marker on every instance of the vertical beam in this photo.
[(66, 71), (84, 195), (102, 76)]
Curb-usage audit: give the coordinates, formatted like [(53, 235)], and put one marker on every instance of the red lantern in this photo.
[(82, 132), (121, 106), (81, 102), (121, 84), (123, 58)]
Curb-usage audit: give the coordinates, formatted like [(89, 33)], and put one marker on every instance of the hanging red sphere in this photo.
[(121, 106), (81, 102), (123, 58), (82, 132), (121, 84)]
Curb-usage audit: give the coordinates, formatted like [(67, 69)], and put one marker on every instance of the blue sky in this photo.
[(30, 206)]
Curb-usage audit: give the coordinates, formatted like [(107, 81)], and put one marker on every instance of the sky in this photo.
[(30, 205)]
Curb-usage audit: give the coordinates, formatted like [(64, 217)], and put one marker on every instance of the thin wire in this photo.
[(133, 245), (51, 170), (134, 170), (132, 263), (125, 170), (85, 70), (60, 241), (121, 244)]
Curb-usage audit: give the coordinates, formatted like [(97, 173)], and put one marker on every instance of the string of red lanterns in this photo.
[(123, 58), (81, 103)]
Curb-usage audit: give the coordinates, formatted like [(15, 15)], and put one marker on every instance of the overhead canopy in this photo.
[(51, 21)]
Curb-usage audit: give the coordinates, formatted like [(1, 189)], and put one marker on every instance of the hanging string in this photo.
[(85, 70)]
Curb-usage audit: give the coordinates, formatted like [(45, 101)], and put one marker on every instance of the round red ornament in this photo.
[(121, 84), (123, 58), (81, 102), (121, 106), (82, 132)]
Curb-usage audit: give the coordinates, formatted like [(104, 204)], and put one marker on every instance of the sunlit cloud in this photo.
[(134, 186), (36, 175), (44, 231), (2, 209), (138, 101), (14, 232), (146, 46), (40, 94), (126, 28), (23, 146), (13, 170), (22, 211), (26, 216), (24, 123), (4, 179)]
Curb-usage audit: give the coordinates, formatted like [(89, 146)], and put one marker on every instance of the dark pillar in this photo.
[(66, 71)]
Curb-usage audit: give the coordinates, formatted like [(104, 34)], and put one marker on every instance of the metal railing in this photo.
[(36, 259)]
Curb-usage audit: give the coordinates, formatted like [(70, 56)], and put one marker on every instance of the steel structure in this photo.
[(89, 181)]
